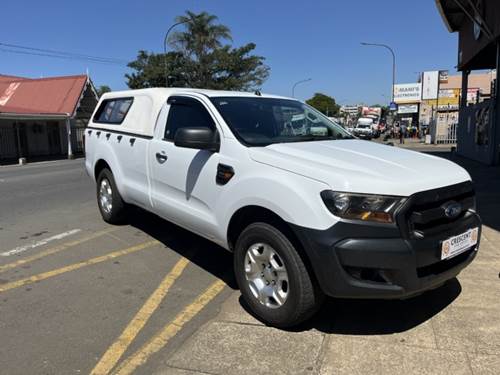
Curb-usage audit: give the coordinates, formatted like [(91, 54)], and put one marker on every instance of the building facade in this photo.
[(442, 113), (44, 118), (477, 23), (439, 114)]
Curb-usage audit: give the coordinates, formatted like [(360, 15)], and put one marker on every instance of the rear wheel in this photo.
[(109, 200), (273, 278)]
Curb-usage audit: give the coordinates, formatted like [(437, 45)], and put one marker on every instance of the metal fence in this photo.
[(449, 137), (77, 140)]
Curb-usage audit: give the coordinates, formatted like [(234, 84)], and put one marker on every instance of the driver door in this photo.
[(184, 189)]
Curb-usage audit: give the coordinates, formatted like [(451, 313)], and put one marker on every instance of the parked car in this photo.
[(307, 209)]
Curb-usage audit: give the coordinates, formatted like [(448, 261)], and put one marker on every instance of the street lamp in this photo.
[(297, 83), (165, 47), (393, 63)]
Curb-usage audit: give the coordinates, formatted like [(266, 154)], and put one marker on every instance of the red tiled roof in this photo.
[(54, 95), (6, 78)]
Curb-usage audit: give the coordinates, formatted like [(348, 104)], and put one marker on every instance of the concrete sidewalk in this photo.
[(417, 145), (452, 330)]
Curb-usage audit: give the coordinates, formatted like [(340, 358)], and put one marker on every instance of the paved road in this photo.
[(78, 295)]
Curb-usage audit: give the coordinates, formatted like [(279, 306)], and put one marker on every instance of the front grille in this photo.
[(424, 213)]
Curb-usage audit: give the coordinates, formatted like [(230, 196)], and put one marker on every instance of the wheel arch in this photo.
[(99, 166), (247, 215)]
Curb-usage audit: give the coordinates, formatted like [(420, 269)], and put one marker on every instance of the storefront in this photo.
[(478, 25), (408, 97), (407, 114)]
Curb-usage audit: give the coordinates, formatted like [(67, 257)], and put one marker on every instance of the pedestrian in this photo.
[(402, 133)]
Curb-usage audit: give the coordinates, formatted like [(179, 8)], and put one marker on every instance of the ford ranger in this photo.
[(307, 209)]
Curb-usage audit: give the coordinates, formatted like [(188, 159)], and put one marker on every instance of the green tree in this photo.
[(103, 90), (324, 103), (149, 70), (200, 59)]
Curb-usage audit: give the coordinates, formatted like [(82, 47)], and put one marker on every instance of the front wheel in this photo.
[(109, 200), (273, 278)]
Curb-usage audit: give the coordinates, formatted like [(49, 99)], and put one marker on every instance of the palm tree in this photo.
[(201, 37)]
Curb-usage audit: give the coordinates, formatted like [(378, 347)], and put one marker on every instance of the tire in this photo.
[(298, 298), (109, 200)]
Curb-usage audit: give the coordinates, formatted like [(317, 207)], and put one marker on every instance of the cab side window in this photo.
[(113, 111), (186, 113)]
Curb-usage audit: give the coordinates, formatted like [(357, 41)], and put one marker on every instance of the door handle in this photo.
[(161, 157)]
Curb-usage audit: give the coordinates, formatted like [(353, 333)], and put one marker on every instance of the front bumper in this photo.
[(353, 260), (364, 135)]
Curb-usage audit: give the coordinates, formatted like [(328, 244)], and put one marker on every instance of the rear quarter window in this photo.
[(113, 111)]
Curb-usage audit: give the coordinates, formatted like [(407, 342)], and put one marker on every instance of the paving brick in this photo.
[(470, 329), (485, 364), (479, 293), (229, 348), (421, 335), (353, 356), (232, 311)]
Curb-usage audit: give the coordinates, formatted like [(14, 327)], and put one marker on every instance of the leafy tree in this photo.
[(200, 59), (151, 70), (324, 103), (103, 90)]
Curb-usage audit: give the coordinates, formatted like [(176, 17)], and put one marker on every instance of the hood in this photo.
[(362, 166)]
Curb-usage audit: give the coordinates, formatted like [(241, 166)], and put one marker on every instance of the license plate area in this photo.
[(458, 244)]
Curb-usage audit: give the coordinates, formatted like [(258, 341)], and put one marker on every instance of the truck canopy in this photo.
[(142, 113)]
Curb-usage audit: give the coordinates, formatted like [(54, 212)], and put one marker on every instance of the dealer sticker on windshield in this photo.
[(458, 244)]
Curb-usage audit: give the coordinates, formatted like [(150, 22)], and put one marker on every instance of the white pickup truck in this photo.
[(307, 209)]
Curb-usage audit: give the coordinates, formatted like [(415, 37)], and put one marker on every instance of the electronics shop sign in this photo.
[(407, 92)]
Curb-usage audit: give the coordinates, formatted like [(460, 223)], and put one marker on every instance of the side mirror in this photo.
[(200, 138)]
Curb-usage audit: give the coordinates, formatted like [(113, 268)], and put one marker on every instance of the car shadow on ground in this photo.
[(199, 251), (341, 316), (377, 317)]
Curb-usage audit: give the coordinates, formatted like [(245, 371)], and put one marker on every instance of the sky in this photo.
[(317, 39)]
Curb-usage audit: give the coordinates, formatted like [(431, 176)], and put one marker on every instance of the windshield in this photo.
[(262, 121), (363, 126)]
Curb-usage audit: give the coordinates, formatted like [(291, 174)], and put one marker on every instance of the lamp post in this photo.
[(393, 63), (165, 47), (297, 83)]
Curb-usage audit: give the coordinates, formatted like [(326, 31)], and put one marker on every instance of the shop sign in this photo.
[(407, 92), (407, 108), (449, 99), (430, 84), (443, 76), (448, 107), (472, 95)]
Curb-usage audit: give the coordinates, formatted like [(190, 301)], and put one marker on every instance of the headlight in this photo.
[(378, 208)]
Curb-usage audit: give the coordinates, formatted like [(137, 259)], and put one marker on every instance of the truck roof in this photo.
[(147, 103), (165, 92)]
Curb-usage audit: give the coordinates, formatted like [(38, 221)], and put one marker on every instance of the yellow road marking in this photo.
[(115, 351), (75, 266), (170, 330), (54, 250)]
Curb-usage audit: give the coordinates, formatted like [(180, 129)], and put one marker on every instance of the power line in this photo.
[(59, 54)]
